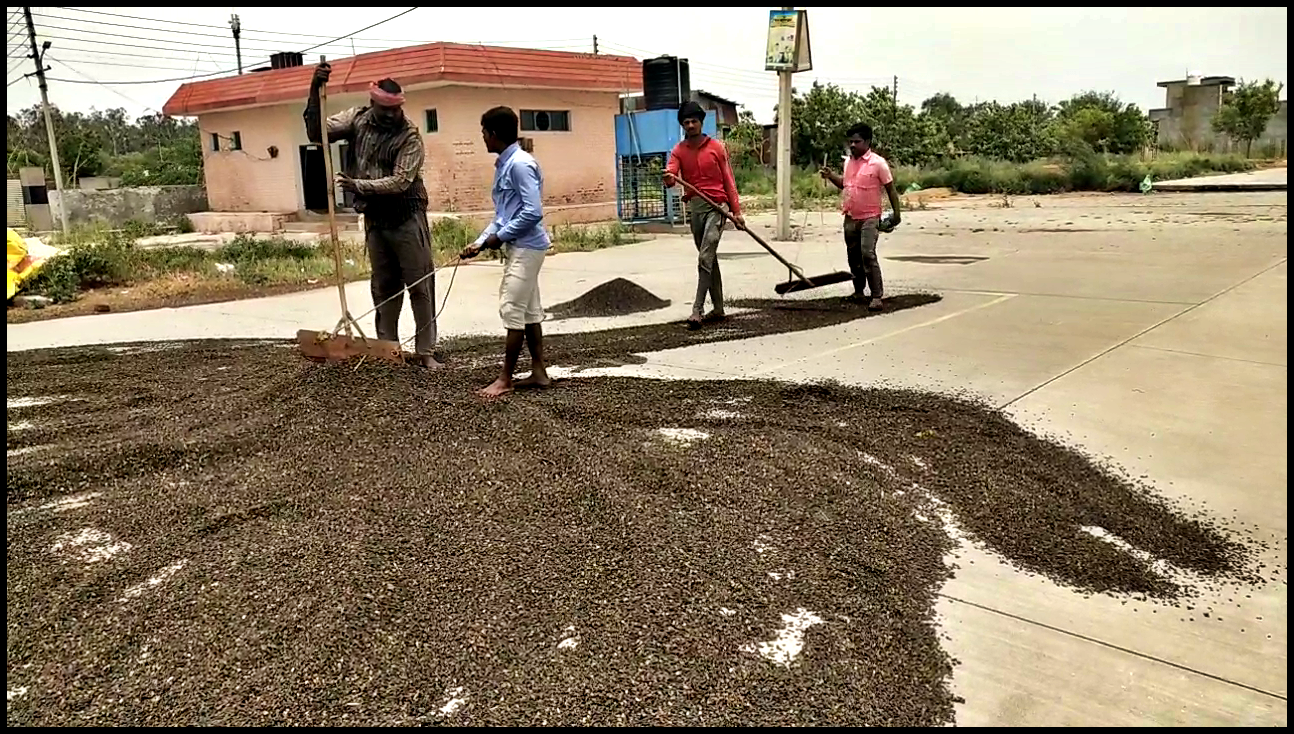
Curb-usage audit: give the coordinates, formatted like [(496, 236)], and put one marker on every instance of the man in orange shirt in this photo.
[(866, 174), (702, 161)]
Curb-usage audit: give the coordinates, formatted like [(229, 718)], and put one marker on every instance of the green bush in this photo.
[(245, 248), (1083, 170)]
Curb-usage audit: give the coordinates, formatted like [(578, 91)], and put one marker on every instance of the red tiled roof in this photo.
[(444, 62)]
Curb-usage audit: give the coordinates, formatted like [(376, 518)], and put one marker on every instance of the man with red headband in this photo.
[(388, 189)]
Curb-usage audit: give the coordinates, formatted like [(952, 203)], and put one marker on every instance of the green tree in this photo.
[(1246, 111), (1100, 121), (152, 149), (819, 119), (1018, 132), (745, 141)]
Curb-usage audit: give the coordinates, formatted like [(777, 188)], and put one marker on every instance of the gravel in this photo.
[(614, 298), (375, 545)]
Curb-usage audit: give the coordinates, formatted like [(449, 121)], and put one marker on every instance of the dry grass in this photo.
[(104, 270)]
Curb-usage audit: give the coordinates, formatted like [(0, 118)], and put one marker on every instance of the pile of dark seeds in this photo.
[(614, 298), (362, 546)]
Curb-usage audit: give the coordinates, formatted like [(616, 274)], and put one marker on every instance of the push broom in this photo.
[(797, 280)]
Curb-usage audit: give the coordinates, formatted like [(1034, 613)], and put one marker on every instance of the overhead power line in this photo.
[(235, 70)]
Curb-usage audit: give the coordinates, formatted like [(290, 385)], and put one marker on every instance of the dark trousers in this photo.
[(860, 246), (706, 224), (399, 256)]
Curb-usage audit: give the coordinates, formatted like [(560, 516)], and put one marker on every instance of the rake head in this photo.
[(322, 346)]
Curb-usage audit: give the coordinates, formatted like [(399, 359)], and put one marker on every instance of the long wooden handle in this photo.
[(793, 268), (332, 203)]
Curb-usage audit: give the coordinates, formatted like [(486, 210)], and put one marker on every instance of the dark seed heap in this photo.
[(614, 298), (361, 544)]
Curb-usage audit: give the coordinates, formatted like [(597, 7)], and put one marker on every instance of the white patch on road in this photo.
[(457, 697), (75, 502), (725, 611), (89, 545), (12, 693), (143, 349), (889, 470), (161, 576), (779, 575), (717, 414), (1158, 565), (19, 426), (683, 436), (789, 643), (919, 462), (763, 544), (571, 641), (13, 403), (25, 450)]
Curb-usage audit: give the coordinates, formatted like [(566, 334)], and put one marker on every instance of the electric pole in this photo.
[(595, 44), (238, 34), (39, 57), (784, 151), (894, 108)]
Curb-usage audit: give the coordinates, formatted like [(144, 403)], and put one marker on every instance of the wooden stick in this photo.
[(332, 204), (795, 270)]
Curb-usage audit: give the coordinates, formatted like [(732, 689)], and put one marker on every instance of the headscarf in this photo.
[(382, 97)]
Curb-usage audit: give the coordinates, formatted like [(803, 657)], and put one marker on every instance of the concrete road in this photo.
[(1147, 329), (1271, 179)]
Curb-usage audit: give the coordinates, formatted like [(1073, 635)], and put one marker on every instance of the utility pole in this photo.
[(39, 58), (784, 152), (238, 35), (894, 108), (595, 44)]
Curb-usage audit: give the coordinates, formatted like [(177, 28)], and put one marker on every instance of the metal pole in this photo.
[(784, 153), (238, 34), (49, 120)]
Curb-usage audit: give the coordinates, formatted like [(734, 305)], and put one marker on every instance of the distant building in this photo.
[(256, 157), (724, 110), (1186, 120)]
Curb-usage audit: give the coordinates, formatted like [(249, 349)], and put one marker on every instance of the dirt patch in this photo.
[(939, 259), (311, 544), (617, 297), (161, 294), (1062, 230)]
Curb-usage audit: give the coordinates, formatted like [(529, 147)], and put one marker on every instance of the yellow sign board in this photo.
[(788, 41)]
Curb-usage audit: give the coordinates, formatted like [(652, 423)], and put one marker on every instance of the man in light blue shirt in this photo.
[(518, 228)]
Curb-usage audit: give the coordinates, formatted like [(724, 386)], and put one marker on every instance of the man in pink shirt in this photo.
[(866, 173), (703, 162)]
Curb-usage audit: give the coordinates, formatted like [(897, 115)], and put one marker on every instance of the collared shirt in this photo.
[(865, 177), (518, 201), (372, 182), (707, 168)]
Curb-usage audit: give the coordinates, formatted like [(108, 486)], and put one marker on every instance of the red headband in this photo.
[(383, 97)]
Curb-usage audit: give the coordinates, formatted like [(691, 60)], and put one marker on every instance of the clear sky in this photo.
[(974, 53)]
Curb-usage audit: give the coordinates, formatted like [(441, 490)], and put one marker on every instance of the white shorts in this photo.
[(519, 291)]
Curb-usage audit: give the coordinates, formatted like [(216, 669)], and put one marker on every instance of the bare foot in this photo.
[(536, 378), (495, 389)]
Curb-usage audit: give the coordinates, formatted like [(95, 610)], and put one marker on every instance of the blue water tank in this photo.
[(657, 131)]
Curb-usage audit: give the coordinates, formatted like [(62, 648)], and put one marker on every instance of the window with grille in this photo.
[(236, 141), (546, 121), (433, 122)]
